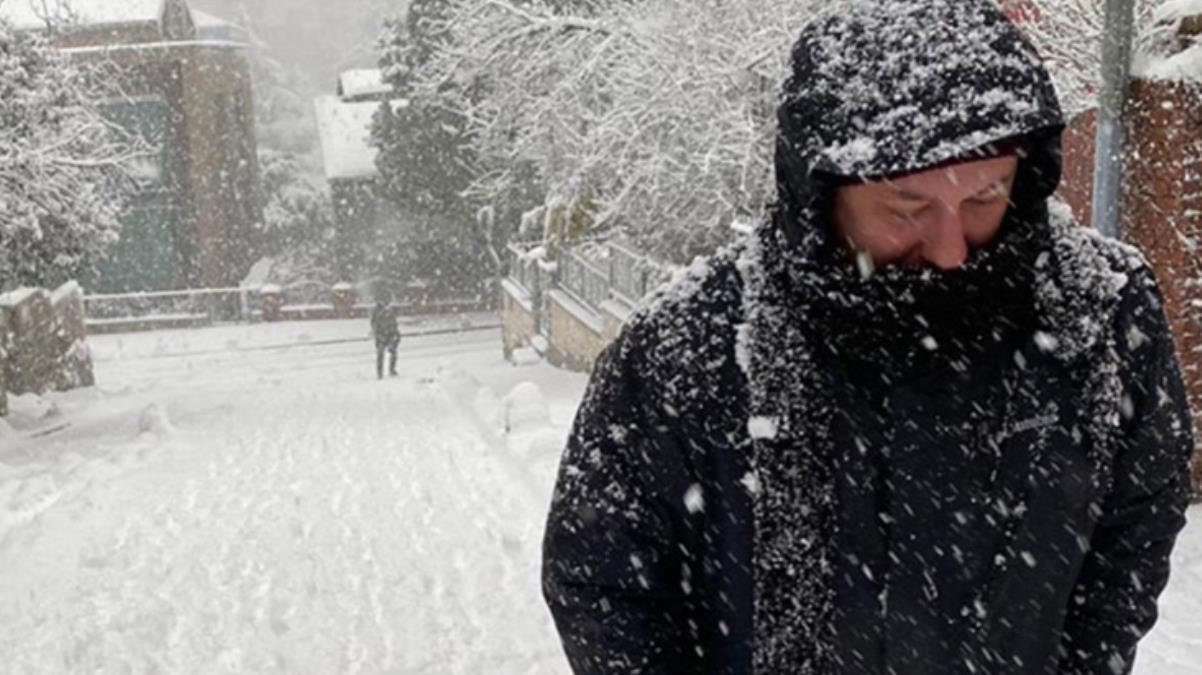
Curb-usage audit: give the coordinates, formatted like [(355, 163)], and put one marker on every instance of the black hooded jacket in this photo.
[(782, 467)]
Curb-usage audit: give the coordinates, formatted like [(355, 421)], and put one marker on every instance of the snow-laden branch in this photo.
[(64, 166), (653, 118)]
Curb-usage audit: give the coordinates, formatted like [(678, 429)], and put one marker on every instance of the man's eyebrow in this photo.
[(901, 193), (1010, 176)]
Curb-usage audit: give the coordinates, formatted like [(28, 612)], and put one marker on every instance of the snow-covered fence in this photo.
[(633, 275), (300, 301), (572, 307), (583, 278), (125, 312), (523, 265), (42, 341), (310, 300)]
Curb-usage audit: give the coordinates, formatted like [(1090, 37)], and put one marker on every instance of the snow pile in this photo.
[(530, 433), (29, 411), (23, 499), (488, 407), (455, 376), (524, 408), (154, 421), (525, 356)]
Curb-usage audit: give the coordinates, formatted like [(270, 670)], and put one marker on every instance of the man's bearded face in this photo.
[(931, 218)]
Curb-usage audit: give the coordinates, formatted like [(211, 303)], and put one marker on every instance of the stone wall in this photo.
[(519, 324), (576, 333), (581, 318), (574, 344), (43, 344)]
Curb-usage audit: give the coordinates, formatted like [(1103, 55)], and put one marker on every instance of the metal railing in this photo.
[(632, 275), (212, 305), (591, 272), (523, 267), (583, 279)]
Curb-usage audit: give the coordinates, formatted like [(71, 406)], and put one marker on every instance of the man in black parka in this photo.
[(387, 334), (906, 428)]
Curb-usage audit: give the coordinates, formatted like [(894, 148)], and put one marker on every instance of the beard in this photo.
[(902, 321)]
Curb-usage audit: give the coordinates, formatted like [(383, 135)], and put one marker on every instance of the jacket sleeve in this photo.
[(1114, 602), (613, 558)]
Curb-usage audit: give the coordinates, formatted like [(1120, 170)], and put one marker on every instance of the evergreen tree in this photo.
[(426, 160)]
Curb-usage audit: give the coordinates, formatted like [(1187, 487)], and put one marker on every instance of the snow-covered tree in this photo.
[(64, 168), (283, 108), (1068, 33), (427, 159), (425, 155), (296, 212), (652, 118), (655, 119)]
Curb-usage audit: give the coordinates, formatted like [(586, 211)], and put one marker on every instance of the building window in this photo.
[(148, 118)]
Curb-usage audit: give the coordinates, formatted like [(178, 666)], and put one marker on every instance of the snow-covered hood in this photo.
[(889, 87)]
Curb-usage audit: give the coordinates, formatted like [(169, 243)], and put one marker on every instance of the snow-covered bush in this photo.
[(296, 212)]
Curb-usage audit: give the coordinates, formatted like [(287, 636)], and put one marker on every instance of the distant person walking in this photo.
[(388, 336)]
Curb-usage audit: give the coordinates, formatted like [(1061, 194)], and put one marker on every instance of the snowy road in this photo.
[(300, 517), (252, 500)]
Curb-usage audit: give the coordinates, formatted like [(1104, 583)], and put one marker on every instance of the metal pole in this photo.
[(1108, 159)]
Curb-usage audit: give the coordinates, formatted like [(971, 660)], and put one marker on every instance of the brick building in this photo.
[(186, 86)]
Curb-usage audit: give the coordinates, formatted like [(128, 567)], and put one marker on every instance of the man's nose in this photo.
[(944, 245)]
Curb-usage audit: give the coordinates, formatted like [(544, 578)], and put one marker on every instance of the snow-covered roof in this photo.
[(209, 27), (344, 129), (31, 14), (20, 295), (365, 83)]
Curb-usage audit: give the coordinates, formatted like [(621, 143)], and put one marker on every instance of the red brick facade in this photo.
[(1162, 205)]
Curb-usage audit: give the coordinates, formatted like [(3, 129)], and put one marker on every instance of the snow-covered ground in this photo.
[(245, 508), (252, 499)]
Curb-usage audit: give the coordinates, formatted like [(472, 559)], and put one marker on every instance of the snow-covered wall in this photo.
[(43, 342)]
